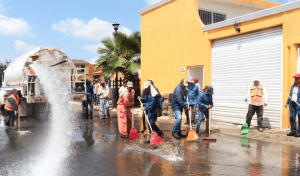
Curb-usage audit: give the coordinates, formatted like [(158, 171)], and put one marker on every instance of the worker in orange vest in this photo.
[(259, 99), (11, 105), (31, 75)]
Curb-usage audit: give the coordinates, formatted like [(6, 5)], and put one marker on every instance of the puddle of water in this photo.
[(2, 122), (166, 152)]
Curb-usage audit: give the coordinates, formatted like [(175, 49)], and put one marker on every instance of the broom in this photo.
[(154, 139), (209, 138), (245, 128), (192, 136), (133, 133)]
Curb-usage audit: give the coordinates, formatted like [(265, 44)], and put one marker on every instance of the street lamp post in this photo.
[(116, 27)]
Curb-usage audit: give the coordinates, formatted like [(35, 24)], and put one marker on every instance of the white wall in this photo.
[(230, 10)]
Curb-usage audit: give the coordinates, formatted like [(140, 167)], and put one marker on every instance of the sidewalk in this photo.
[(274, 135)]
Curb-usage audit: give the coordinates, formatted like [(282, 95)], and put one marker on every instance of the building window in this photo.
[(80, 66), (208, 17)]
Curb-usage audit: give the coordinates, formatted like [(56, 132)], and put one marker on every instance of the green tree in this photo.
[(120, 54)]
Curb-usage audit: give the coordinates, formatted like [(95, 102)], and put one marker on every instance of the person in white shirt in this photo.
[(259, 98), (124, 87), (103, 93)]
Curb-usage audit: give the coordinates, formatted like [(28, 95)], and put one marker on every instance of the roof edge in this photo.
[(153, 6), (252, 16)]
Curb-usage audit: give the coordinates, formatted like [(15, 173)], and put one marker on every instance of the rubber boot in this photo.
[(7, 123), (12, 120)]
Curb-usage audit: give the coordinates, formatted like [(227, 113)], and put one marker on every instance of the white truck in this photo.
[(16, 77)]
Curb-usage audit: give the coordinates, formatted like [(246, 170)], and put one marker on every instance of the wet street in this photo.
[(98, 149)]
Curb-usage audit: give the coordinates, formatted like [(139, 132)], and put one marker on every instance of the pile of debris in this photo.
[(167, 105)]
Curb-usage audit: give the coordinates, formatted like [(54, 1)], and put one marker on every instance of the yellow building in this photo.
[(217, 42)]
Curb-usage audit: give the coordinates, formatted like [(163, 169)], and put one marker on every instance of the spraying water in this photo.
[(58, 139), (2, 122)]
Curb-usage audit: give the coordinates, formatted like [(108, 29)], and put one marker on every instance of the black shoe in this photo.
[(124, 136), (291, 134), (162, 135), (260, 129), (143, 131), (7, 123), (176, 136), (91, 117), (297, 135), (86, 117)]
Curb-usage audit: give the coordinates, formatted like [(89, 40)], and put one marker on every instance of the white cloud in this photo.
[(14, 26), (94, 60), (93, 48), (22, 46), (150, 2), (288, 1), (95, 29)]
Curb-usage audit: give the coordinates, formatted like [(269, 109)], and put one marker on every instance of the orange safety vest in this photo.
[(8, 106), (31, 71), (97, 87), (256, 94)]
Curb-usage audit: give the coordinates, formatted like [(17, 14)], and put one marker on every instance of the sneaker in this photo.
[(260, 129), (176, 136), (291, 134), (297, 135), (12, 128)]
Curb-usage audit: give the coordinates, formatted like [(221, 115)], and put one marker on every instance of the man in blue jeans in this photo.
[(90, 96), (103, 93), (205, 102), (11, 106), (178, 103)]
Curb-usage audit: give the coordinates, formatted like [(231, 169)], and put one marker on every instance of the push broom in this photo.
[(133, 133), (154, 139), (245, 128), (192, 136), (209, 138)]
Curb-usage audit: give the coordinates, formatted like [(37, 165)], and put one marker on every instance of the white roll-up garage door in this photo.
[(235, 62)]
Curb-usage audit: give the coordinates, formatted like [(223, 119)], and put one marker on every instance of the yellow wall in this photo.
[(172, 38)]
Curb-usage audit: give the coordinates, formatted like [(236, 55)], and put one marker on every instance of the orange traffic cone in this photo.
[(133, 133), (192, 136), (154, 139)]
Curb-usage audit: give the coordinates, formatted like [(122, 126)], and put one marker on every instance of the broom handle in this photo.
[(246, 103), (209, 123), (104, 106), (146, 116), (189, 112), (290, 97), (132, 124)]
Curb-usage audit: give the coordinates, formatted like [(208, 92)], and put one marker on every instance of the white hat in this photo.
[(129, 84), (256, 79), (190, 80)]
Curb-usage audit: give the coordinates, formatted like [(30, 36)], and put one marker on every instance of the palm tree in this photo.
[(120, 54)]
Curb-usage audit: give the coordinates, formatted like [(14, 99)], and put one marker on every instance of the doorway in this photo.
[(197, 72)]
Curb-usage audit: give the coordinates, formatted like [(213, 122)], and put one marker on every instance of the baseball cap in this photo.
[(14, 90), (210, 90), (297, 76)]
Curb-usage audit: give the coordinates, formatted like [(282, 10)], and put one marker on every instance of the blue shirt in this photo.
[(90, 90), (160, 97), (152, 103), (204, 100), (193, 94), (178, 100)]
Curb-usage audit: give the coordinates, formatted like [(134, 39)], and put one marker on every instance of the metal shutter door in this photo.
[(235, 61)]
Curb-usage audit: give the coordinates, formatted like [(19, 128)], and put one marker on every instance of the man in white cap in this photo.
[(193, 94), (259, 98)]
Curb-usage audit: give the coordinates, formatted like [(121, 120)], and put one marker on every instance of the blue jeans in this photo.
[(293, 117), (177, 125), (152, 117), (87, 103), (201, 112), (11, 114), (106, 104)]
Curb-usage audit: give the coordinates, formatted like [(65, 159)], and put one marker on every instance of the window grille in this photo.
[(208, 17)]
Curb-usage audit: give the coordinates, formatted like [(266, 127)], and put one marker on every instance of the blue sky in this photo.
[(75, 26)]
